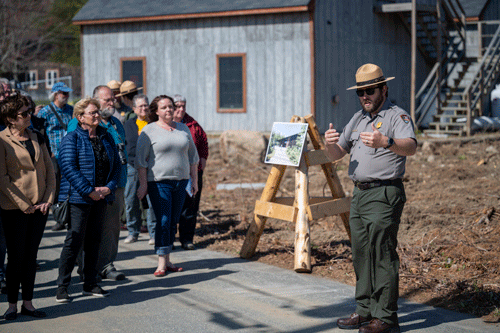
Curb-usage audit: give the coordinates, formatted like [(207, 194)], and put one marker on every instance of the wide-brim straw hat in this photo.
[(369, 75), (128, 87), (114, 85)]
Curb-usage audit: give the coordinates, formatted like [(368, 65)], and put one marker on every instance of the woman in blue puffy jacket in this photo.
[(90, 169)]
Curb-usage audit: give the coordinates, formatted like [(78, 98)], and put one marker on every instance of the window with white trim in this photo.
[(51, 76), (32, 79)]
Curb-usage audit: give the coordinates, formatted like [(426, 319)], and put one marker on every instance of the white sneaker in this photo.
[(130, 239), (151, 241)]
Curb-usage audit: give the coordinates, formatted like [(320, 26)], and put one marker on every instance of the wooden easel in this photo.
[(302, 209)]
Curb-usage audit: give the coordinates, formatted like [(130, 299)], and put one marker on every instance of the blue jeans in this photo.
[(167, 198), (133, 208)]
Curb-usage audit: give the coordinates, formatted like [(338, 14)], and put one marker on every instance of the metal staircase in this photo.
[(462, 79), (468, 87)]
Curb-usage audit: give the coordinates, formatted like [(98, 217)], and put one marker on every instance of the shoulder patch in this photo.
[(405, 118)]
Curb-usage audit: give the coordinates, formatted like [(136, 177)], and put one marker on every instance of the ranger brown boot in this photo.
[(378, 326), (353, 322)]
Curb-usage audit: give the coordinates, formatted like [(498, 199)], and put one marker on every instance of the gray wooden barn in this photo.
[(246, 64)]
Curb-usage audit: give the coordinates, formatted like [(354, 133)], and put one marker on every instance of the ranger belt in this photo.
[(378, 183)]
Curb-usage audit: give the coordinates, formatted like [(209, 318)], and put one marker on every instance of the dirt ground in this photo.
[(449, 237)]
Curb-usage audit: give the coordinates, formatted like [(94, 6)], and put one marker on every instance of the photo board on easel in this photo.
[(286, 143)]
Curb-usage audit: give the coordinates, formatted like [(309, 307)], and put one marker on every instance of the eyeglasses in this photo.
[(92, 114), (25, 114), (180, 106), (369, 92)]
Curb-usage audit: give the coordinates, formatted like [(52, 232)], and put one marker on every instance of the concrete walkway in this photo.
[(216, 293)]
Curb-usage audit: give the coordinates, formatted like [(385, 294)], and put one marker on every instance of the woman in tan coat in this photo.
[(27, 189)]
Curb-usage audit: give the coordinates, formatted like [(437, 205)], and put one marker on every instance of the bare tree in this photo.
[(27, 30)]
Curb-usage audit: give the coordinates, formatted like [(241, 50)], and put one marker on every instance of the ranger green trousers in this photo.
[(374, 220)]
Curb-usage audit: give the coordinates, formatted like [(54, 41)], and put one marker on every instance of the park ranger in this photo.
[(378, 139)]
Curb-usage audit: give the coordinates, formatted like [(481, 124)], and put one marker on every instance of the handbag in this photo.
[(60, 212)]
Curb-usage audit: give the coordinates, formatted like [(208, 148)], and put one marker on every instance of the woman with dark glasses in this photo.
[(27, 190)]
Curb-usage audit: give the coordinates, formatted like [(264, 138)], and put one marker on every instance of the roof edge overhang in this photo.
[(263, 11)]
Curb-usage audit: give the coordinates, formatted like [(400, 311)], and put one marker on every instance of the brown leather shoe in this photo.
[(378, 326), (353, 322)]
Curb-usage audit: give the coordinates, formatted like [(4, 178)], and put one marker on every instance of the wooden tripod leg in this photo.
[(328, 169), (257, 226), (302, 262)]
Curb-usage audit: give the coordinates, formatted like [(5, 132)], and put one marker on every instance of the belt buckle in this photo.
[(363, 186)]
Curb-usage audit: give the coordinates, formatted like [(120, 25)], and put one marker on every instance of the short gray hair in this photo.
[(179, 98), (52, 96), (138, 97)]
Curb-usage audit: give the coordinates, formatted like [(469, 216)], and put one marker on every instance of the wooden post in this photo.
[(302, 262), (257, 226), (439, 57), (328, 169), (413, 79)]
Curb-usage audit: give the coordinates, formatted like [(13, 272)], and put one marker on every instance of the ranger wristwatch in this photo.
[(390, 142)]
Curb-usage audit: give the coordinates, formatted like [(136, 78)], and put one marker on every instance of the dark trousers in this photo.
[(23, 233), (84, 230), (57, 171), (187, 222), (374, 220)]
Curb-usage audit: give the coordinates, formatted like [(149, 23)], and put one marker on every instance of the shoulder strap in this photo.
[(40, 138), (63, 125)]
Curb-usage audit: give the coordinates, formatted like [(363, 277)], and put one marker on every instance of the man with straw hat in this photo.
[(128, 89), (378, 138), (121, 110)]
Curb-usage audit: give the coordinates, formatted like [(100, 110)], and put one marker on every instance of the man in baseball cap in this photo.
[(57, 116)]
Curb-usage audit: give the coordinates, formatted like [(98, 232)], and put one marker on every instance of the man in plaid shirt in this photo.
[(55, 130)]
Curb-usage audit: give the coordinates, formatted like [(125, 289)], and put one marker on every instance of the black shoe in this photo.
[(32, 313), (62, 295), (188, 246), (114, 275), (58, 227), (94, 290), (11, 315)]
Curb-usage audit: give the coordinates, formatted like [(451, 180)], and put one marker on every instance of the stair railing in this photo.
[(484, 76), (452, 54)]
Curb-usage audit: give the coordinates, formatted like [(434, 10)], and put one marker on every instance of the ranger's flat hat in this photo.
[(369, 75), (128, 87), (114, 85)]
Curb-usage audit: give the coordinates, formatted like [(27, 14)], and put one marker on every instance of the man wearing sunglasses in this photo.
[(57, 116), (378, 139)]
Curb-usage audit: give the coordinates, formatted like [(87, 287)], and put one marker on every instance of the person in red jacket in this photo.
[(187, 222)]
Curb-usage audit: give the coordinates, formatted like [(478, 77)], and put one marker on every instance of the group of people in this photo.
[(102, 157), (167, 153)]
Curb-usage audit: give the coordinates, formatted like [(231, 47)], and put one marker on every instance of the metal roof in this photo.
[(126, 9)]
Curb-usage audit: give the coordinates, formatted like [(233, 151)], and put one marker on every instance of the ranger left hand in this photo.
[(373, 139)]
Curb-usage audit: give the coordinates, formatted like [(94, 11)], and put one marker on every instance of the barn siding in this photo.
[(181, 58), (349, 34)]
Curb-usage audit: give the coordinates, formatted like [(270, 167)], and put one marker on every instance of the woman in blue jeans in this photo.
[(166, 158)]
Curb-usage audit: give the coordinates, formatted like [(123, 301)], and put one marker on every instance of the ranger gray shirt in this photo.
[(369, 164)]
